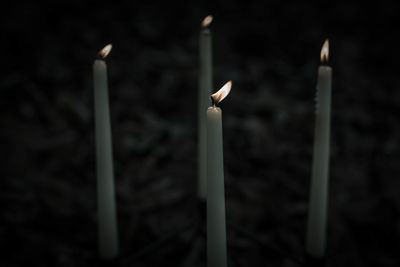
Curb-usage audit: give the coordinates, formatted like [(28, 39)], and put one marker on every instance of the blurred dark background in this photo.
[(270, 50)]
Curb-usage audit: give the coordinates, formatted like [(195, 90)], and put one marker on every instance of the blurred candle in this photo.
[(317, 213), (107, 221), (205, 84), (216, 228)]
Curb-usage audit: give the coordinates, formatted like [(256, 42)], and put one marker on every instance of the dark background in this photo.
[(270, 50)]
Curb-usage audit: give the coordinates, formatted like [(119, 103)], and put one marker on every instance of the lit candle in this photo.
[(205, 84), (107, 221), (216, 228), (317, 213)]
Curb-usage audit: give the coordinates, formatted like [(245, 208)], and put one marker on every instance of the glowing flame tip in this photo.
[(207, 21), (105, 51), (325, 51), (222, 93)]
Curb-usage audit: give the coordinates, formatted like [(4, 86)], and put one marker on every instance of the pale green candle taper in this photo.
[(216, 225), (205, 84), (318, 205), (106, 208)]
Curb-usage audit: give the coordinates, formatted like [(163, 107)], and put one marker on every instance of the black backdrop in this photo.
[(270, 50)]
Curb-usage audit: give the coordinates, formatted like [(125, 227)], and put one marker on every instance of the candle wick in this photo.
[(324, 62), (99, 56), (214, 103)]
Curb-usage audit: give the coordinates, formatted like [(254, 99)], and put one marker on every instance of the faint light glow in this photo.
[(105, 51), (222, 93), (207, 21), (325, 52)]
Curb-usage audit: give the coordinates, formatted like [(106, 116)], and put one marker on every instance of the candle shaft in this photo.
[(205, 84), (107, 220), (216, 228), (317, 217)]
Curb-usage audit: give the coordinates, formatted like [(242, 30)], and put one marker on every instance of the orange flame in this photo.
[(222, 93), (105, 51), (207, 21), (325, 52)]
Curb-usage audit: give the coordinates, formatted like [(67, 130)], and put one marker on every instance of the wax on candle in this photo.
[(216, 227), (317, 214), (107, 220), (205, 85)]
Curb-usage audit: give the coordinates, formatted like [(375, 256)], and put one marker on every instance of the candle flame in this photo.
[(207, 21), (222, 93), (105, 51), (325, 52)]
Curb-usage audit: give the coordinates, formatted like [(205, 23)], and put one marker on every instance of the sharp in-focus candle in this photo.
[(107, 219), (318, 205), (216, 228), (205, 84)]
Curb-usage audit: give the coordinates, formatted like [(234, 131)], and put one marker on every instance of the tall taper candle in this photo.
[(107, 220), (216, 228), (205, 84), (317, 216)]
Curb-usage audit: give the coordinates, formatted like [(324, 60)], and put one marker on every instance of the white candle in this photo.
[(107, 221), (205, 84), (216, 228), (317, 217)]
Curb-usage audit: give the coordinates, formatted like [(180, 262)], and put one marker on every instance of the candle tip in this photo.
[(222, 93), (325, 52), (207, 21), (105, 51)]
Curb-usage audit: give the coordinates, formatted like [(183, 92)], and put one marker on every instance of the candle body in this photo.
[(204, 101), (216, 228), (107, 220), (317, 217)]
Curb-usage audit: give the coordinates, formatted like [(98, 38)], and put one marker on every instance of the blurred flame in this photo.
[(325, 52), (206, 21), (105, 51), (222, 93)]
